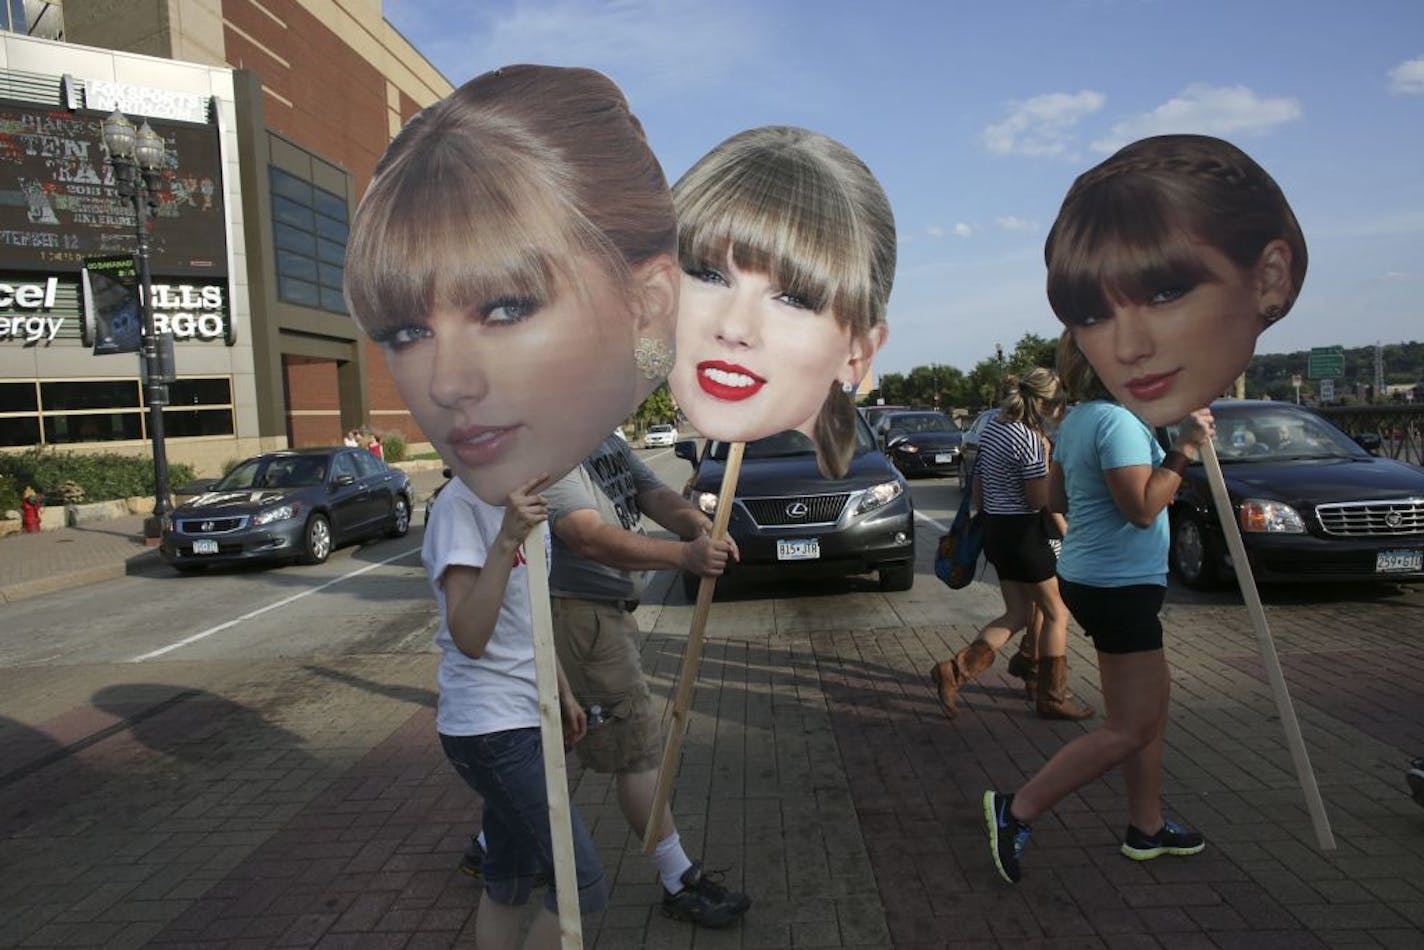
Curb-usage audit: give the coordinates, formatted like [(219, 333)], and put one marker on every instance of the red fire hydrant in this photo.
[(31, 502)]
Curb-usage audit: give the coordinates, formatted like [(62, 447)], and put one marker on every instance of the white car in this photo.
[(659, 435)]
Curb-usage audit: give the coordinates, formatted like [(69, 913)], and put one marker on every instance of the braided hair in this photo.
[(1136, 222)]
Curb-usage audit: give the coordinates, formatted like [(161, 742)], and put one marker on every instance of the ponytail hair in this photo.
[(835, 432), (1079, 378), (1032, 399)]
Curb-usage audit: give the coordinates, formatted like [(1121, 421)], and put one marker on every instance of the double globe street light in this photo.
[(137, 157)]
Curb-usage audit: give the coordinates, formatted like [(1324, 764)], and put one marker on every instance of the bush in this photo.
[(97, 477), (393, 446), (231, 464)]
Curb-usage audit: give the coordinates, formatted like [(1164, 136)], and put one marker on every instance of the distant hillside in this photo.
[(1270, 373)]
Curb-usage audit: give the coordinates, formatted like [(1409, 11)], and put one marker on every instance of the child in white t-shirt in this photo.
[(488, 712)]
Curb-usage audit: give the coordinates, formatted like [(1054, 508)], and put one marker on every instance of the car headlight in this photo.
[(907, 447), (878, 497), (280, 513), (1270, 517), (706, 501)]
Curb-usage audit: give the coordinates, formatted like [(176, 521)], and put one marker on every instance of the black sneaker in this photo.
[(1172, 839), (1007, 835), (704, 901), (1415, 777), (473, 860)]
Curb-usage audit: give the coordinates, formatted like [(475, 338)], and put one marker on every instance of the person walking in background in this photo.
[(488, 709), (1011, 493), (352, 439), (601, 558), (374, 446)]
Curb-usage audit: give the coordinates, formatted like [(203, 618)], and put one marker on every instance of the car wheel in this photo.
[(400, 518), (897, 576), (316, 542), (1193, 557), (690, 585)]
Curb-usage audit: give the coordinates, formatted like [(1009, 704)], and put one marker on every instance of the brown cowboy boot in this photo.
[(950, 675), (1054, 701), (1024, 665)]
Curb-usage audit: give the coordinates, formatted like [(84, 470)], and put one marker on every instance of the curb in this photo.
[(78, 578)]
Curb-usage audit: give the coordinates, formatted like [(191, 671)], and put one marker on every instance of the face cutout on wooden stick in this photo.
[(787, 247), (514, 257), (1166, 262)]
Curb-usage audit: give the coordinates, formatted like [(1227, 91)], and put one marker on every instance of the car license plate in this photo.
[(943, 458), (205, 546), (806, 549), (1399, 562)]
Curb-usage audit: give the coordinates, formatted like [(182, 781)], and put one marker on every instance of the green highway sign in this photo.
[(1326, 362)]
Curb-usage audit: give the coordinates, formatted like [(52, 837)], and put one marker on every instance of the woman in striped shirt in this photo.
[(1011, 494)]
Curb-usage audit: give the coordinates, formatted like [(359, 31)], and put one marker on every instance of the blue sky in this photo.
[(976, 117)]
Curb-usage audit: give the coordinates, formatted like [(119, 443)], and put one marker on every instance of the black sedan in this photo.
[(921, 443), (1312, 504), (284, 506), (787, 514)]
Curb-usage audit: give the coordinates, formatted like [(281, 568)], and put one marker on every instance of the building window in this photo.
[(75, 411), (309, 229)]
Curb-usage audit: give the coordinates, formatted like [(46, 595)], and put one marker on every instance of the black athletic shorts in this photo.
[(1119, 619), (1018, 548)]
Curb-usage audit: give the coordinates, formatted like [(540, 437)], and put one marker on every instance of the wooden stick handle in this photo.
[(551, 734), (1284, 708), (692, 655)]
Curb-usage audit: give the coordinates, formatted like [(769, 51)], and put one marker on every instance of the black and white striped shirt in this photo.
[(1009, 453)]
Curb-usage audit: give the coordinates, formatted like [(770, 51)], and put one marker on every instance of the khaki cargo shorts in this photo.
[(597, 645)]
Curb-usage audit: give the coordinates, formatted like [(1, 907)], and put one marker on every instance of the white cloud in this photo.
[(935, 231), (1010, 222), (1042, 125), (963, 230), (1408, 77), (1208, 110)]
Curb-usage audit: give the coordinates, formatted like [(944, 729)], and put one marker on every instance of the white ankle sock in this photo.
[(672, 862)]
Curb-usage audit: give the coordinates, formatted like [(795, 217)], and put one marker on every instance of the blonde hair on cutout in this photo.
[(1134, 224), (497, 188), (1080, 380), (802, 209)]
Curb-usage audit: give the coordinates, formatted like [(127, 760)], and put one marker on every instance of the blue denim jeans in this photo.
[(507, 770)]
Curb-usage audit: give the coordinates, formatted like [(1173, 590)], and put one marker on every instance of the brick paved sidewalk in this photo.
[(235, 805)]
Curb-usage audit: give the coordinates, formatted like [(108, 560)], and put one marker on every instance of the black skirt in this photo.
[(1018, 548)]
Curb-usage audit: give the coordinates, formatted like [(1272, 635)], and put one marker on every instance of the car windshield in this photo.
[(791, 442), (660, 428), (913, 422), (293, 471), (1273, 433)]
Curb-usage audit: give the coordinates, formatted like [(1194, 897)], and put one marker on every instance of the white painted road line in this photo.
[(262, 610), (930, 521)]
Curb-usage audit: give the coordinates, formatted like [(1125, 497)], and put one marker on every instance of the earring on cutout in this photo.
[(1271, 314), (653, 357), (849, 387)]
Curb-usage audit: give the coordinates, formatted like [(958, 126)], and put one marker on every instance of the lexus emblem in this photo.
[(797, 510), (206, 526), (1393, 519)]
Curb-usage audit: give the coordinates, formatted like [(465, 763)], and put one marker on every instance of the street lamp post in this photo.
[(137, 158)]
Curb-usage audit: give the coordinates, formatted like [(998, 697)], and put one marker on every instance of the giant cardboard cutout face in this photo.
[(514, 258), (1166, 262), (787, 247)]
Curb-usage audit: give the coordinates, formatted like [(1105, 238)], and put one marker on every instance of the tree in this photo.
[(1032, 351), (657, 408)]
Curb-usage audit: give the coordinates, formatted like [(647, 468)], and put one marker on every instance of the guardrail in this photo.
[(1400, 428)]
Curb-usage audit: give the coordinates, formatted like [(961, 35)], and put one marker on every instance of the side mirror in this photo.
[(341, 481), (1369, 441), (686, 449)]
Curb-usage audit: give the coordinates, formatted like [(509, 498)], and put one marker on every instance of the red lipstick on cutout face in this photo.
[(481, 445), (1153, 387), (721, 390)]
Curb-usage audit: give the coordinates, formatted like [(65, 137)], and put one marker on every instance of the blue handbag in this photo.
[(957, 557)]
